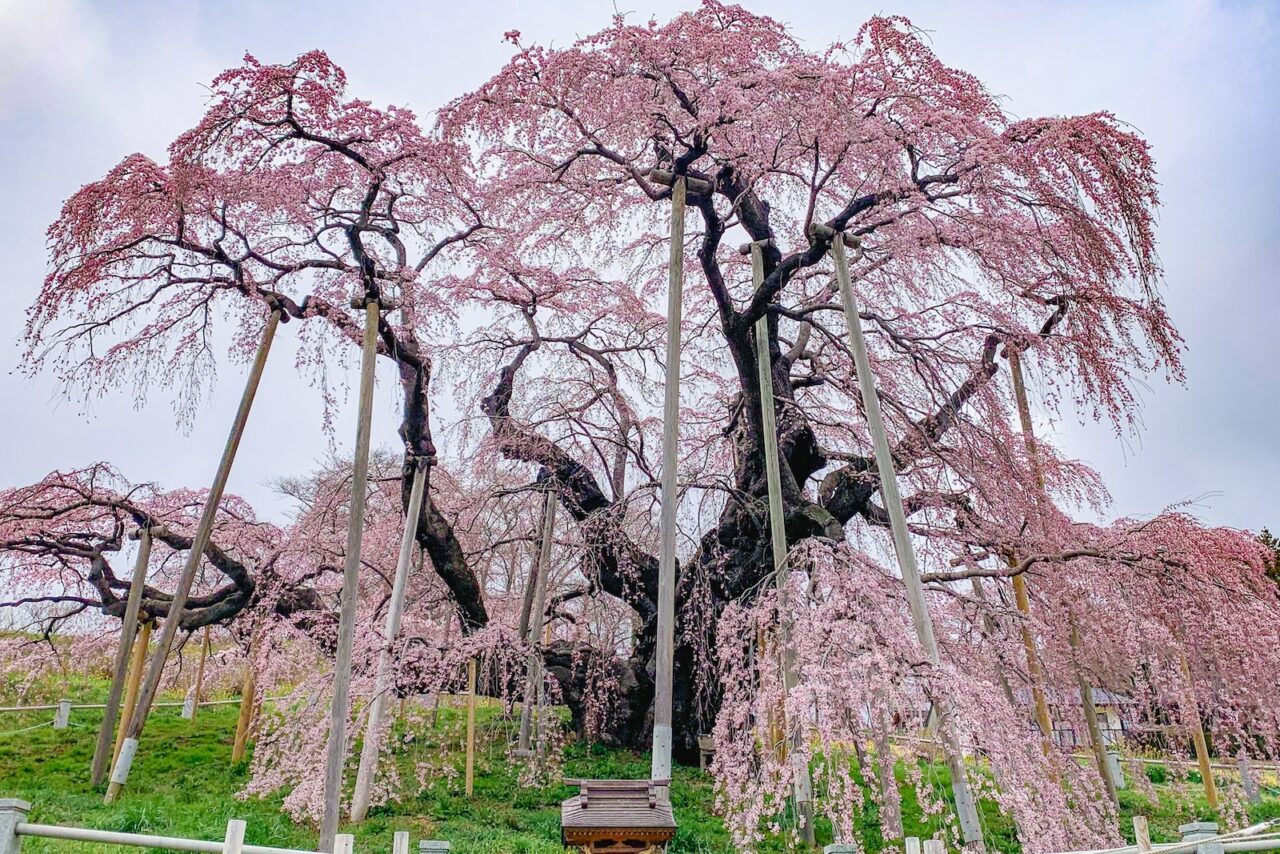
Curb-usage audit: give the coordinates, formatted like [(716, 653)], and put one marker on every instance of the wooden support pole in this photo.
[(372, 745), (137, 663), (664, 667), (471, 726), (147, 695), (1020, 596), (966, 805), (1096, 744), (1196, 727), (204, 653), (533, 664), (337, 749), (794, 735), (248, 689), (119, 673)]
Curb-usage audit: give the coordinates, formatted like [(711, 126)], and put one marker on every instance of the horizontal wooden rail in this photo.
[(174, 703)]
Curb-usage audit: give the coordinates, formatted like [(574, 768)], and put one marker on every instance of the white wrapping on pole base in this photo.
[(661, 768), (120, 774)]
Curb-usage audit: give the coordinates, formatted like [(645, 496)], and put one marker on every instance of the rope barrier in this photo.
[(25, 729)]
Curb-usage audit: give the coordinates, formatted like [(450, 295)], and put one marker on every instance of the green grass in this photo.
[(183, 784)]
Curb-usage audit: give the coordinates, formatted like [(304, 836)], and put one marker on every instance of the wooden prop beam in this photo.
[(533, 665), (1020, 596), (803, 789), (1022, 600), (966, 806), (1097, 746), (150, 687), (119, 673), (204, 653), (664, 668), (391, 630), (1196, 727), (337, 749), (137, 664), (471, 727), (248, 692)]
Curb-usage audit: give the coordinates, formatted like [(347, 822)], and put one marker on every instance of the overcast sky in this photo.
[(82, 85)]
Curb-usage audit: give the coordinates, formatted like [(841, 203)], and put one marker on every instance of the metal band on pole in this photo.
[(391, 630), (337, 749), (664, 669), (198, 543), (803, 789), (966, 808), (128, 628)]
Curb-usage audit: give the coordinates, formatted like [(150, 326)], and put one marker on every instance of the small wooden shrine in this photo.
[(617, 816)]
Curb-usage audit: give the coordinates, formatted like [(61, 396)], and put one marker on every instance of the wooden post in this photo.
[(204, 653), (248, 690), (233, 842), (890, 797), (136, 664), (1142, 834), (935, 846), (337, 749), (1247, 780), (128, 628), (391, 630), (471, 726), (120, 774), (966, 806), (1090, 712), (533, 668), (802, 789), (344, 843), (1196, 727), (664, 667), (400, 842), (911, 845)]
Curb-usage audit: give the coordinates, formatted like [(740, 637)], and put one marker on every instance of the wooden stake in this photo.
[(128, 629), (136, 665), (1142, 834), (966, 806), (471, 726), (533, 664), (803, 789), (233, 842), (391, 630), (204, 653), (204, 528), (248, 688), (350, 586), (1197, 735), (664, 666)]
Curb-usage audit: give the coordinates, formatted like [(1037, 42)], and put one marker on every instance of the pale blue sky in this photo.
[(83, 84)]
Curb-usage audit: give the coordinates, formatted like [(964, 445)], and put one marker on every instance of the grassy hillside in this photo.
[(183, 784)]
